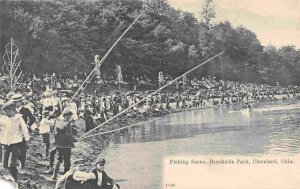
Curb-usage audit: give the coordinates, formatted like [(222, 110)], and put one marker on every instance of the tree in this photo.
[(63, 36), (208, 12)]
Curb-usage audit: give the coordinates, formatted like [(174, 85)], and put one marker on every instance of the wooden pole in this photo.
[(151, 94), (11, 65), (222, 69)]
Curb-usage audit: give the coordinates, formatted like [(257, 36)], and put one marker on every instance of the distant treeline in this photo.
[(64, 36)]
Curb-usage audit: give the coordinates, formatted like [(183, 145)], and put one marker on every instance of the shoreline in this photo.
[(86, 151)]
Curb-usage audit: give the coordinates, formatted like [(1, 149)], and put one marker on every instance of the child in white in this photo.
[(44, 129)]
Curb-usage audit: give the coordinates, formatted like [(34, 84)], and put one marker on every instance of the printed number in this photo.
[(170, 185)]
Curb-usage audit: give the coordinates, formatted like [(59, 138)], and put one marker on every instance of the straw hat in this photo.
[(17, 97)]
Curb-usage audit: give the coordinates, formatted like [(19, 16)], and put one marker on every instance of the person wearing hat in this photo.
[(64, 142), (73, 108), (51, 103), (97, 179), (44, 129), (29, 119), (13, 133)]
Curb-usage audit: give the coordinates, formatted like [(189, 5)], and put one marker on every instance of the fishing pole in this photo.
[(96, 62), (122, 112), (104, 57)]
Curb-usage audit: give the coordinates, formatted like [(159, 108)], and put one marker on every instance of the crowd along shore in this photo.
[(87, 150)]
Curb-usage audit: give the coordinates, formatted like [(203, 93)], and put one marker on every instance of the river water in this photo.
[(135, 157)]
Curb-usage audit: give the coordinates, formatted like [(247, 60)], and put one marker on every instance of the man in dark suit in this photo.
[(88, 118), (26, 114), (64, 142)]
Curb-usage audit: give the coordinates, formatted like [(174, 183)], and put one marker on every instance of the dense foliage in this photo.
[(63, 36)]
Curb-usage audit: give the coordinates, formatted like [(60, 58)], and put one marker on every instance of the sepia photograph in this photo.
[(150, 94)]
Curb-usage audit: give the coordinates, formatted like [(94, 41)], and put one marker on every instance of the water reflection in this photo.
[(269, 128), (136, 155)]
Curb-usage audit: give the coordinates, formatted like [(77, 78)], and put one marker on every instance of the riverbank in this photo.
[(85, 152)]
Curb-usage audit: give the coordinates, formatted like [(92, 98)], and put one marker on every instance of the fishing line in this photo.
[(122, 112), (119, 129)]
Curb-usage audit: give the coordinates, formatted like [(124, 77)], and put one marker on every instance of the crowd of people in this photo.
[(50, 113)]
